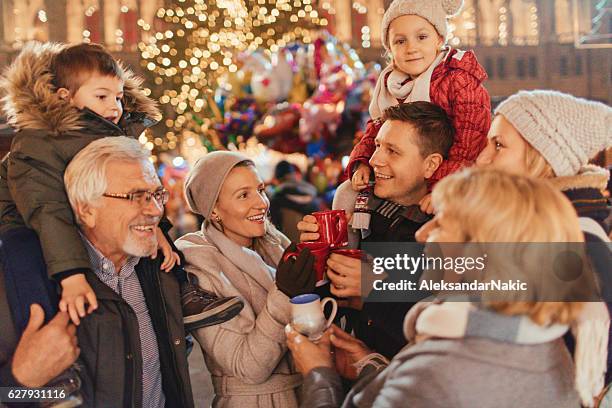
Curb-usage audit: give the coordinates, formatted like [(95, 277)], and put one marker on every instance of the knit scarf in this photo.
[(393, 84), (455, 320), (255, 263), (367, 203)]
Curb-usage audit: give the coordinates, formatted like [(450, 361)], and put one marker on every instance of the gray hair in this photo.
[(85, 176)]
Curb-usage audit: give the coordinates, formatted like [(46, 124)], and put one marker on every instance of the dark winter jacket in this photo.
[(584, 190), (110, 342), (50, 132), (8, 340), (456, 86), (380, 324)]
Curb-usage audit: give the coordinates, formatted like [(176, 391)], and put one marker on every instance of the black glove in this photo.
[(296, 275)]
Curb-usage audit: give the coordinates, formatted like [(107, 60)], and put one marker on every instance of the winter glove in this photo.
[(296, 275)]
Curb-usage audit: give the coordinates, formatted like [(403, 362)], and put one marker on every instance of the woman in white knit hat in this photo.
[(498, 353), (237, 251), (553, 135)]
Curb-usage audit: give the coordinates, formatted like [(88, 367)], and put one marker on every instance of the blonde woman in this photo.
[(518, 358), (552, 135), (237, 251)]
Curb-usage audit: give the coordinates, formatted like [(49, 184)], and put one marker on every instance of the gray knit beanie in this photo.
[(205, 180), (435, 11), (567, 131)]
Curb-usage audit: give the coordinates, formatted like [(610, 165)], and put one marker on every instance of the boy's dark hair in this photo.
[(71, 66), (433, 126)]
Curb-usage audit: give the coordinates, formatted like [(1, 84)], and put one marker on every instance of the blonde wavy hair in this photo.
[(493, 206), (536, 164)]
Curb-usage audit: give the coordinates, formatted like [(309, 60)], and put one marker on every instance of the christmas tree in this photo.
[(194, 43)]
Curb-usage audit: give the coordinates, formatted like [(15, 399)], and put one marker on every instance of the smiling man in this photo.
[(133, 346), (410, 146), (412, 143)]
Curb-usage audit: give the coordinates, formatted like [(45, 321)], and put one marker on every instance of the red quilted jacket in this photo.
[(456, 86)]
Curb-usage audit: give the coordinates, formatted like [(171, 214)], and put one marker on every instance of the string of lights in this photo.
[(193, 43)]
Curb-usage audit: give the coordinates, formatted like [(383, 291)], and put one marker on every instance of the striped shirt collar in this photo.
[(103, 267)]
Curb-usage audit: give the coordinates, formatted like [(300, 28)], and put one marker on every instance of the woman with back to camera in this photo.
[(516, 357)]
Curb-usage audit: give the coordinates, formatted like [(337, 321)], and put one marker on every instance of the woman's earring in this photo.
[(217, 219)]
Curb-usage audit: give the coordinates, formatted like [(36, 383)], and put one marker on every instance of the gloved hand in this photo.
[(296, 275)]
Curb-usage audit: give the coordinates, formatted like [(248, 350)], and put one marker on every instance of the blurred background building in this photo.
[(523, 44)]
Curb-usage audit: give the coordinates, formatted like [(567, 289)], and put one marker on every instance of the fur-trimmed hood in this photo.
[(29, 99), (589, 176)]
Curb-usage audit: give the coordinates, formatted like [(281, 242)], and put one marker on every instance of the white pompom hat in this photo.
[(435, 11)]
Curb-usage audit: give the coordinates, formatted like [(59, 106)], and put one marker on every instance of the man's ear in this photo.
[(87, 215), (63, 93), (431, 164)]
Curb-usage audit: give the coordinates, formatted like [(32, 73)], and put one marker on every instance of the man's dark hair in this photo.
[(72, 66), (283, 169), (433, 126)]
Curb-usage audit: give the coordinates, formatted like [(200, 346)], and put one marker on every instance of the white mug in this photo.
[(307, 315)]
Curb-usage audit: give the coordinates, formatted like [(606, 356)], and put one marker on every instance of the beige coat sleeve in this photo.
[(248, 347)]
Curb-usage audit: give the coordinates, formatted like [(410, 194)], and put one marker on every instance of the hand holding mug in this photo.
[(306, 354), (307, 315), (319, 251), (295, 272), (332, 227), (348, 351), (308, 228), (345, 272)]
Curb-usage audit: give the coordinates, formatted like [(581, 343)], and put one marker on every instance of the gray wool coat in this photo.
[(464, 373), (247, 355)]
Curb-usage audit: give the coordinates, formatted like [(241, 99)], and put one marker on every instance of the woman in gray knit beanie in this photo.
[(237, 252), (553, 135)]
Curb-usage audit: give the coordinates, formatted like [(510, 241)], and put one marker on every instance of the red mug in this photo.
[(320, 251), (333, 228), (351, 253)]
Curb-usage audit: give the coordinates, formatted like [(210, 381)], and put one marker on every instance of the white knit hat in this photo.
[(567, 131), (434, 11)]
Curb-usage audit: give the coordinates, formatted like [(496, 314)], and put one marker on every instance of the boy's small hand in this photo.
[(171, 258), (361, 177), (76, 292), (426, 205)]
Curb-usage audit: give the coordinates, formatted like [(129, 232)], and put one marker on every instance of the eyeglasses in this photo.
[(143, 197)]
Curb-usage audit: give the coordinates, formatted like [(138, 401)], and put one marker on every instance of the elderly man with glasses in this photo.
[(133, 346)]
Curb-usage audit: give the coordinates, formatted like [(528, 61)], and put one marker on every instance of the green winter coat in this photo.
[(50, 132)]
